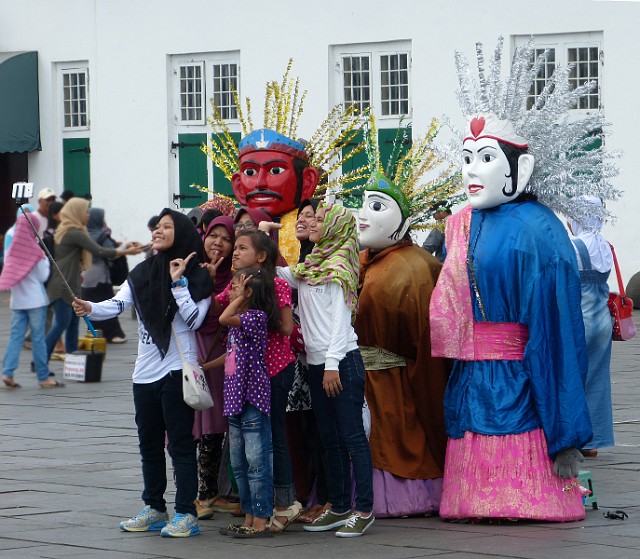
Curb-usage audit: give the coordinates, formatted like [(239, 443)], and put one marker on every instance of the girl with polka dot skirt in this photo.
[(247, 397), (255, 249)]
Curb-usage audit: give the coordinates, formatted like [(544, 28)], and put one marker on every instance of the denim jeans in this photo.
[(37, 320), (342, 433), (283, 486), (252, 460), (64, 319), (159, 409)]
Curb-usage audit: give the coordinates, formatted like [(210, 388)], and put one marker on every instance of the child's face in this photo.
[(245, 255), (236, 289)]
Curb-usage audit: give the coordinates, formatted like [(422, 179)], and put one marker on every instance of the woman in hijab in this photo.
[(327, 284), (96, 281), (73, 254), (594, 263), (171, 294), (25, 271), (210, 425)]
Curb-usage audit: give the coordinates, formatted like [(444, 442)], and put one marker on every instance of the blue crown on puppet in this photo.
[(267, 139)]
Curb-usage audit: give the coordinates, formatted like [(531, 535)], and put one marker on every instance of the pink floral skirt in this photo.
[(509, 476)]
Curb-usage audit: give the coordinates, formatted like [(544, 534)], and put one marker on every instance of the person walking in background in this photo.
[(594, 263), (171, 294), (434, 243), (73, 250), (251, 312), (96, 281), (25, 271)]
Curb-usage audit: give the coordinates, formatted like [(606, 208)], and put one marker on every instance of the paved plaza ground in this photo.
[(70, 472)]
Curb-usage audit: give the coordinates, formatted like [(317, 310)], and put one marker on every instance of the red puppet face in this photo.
[(267, 180)]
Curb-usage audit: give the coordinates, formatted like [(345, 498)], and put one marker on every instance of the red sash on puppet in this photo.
[(454, 333)]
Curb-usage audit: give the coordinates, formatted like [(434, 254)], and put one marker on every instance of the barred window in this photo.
[(544, 75), (586, 61), (356, 78), (225, 83), (394, 84), (192, 93), (75, 98)]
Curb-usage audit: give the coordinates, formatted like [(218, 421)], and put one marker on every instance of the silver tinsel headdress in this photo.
[(567, 165)]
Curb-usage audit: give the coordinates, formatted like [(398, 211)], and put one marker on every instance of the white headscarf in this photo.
[(598, 247)]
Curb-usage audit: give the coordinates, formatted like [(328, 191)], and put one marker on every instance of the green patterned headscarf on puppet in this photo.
[(335, 257)]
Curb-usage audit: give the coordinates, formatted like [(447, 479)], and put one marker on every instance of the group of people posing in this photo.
[(473, 370)]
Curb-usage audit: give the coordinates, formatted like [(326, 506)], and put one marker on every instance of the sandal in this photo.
[(290, 514), (51, 383), (314, 512), (220, 504), (10, 383)]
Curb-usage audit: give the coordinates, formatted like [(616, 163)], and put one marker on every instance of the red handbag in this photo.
[(621, 309)]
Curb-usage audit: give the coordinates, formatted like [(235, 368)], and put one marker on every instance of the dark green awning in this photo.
[(19, 106)]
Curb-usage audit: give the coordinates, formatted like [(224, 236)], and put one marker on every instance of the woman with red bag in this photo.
[(594, 263)]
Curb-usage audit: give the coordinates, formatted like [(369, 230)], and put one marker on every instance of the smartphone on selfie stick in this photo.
[(21, 193)]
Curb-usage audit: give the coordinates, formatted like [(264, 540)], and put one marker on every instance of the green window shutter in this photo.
[(76, 165), (355, 199), (386, 139), (221, 184), (192, 169)]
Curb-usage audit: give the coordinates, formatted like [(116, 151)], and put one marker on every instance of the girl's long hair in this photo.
[(263, 296), (263, 243)]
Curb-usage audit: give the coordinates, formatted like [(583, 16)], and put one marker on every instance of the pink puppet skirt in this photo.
[(508, 476)]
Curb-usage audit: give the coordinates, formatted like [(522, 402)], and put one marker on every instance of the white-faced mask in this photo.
[(379, 218)]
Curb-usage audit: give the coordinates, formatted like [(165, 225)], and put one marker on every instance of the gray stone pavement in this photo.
[(69, 472)]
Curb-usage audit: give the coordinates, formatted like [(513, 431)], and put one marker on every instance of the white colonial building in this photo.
[(123, 86)]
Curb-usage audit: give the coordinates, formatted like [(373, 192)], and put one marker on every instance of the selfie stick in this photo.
[(55, 265)]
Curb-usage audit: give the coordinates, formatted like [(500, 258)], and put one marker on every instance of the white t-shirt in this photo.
[(150, 366), (30, 292), (325, 320)]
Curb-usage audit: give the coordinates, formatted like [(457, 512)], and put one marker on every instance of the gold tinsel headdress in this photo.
[(282, 109), (419, 179)]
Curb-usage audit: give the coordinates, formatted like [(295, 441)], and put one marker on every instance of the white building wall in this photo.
[(128, 44)]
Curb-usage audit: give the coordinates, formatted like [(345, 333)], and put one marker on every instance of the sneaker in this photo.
[(328, 520), (181, 526), (355, 526), (147, 520)]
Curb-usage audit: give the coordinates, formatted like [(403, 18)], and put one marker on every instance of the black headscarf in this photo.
[(150, 281), (306, 246)]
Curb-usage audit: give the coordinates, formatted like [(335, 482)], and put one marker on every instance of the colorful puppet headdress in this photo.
[(570, 161), (416, 179), (282, 109)]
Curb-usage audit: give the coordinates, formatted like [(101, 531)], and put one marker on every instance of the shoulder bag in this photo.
[(621, 309), (195, 390)]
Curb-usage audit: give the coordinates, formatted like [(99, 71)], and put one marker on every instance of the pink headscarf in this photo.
[(24, 253)]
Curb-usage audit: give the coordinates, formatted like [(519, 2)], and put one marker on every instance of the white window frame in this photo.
[(77, 71), (214, 92), (562, 43), (177, 126), (203, 94), (374, 51)]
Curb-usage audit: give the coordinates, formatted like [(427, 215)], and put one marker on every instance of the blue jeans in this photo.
[(251, 460), (342, 433), (283, 486), (37, 320), (159, 409), (64, 319)]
